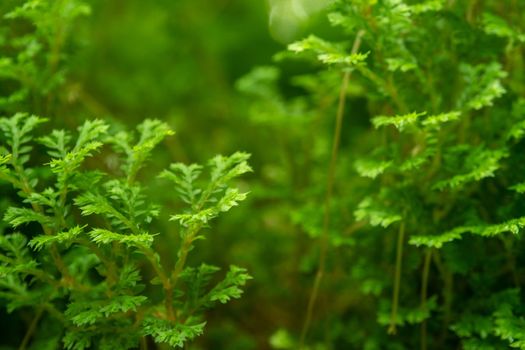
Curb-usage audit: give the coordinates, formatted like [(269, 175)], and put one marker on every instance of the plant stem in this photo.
[(448, 288), (52, 310), (143, 343), (181, 262), (397, 282), (28, 190), (329, 189), (424, 291), (31, 329), (387, 86), (165, 280)]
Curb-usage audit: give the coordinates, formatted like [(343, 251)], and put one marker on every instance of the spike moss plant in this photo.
[(84, 260), (430, 164)]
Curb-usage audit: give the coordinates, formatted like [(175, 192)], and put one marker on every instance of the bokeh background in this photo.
[(218, 72), (183, 62)]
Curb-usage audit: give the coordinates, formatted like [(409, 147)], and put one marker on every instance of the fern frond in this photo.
[(174, 335), (19, 216), (400, 122), (101, 236), (41, 241), (376, 214), (184, 177)]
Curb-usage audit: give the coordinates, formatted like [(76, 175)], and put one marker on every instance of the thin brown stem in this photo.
[(181, 261), (165, 280), (31, 329), (397, 282), (424, 292), (143, 343), (324, 239), (54, 312)]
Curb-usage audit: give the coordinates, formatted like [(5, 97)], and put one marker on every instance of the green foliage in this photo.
[(176, 336), (208, 202), (408, 227), (430, 154), (327, 52), (32, 64), (53, 271), (400, 122)]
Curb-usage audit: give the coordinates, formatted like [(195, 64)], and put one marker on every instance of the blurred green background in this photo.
[(180, 61), (214, 70)]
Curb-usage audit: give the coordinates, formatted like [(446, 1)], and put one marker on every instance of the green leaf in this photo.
[(83, 313), (41, 241), (435, 121), (231, 198), (14, 245), (5, 173), (513, 226), (92, 203), (495, 25), (75, 340), (407, 315), (509, 327), (19, 216), (72, 160), (327, 52), (520, 188), (122, 303), (471, 324), (89, 132), (437, 241), (376, 214), (428, 6), (5, 159), (225, 168), (152, 132), (102, 236), (481, 163), (395, 64), (174, 335), (229, 288), (196, 280), (57, 143), (184, 177), (517, 131), (400, 122), (483, 85), (17, 131), (199, 218), (371, 168), (128, 278), (281, 339), (260, 82)]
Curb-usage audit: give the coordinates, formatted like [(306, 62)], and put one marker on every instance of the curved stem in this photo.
[(328, 197)]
